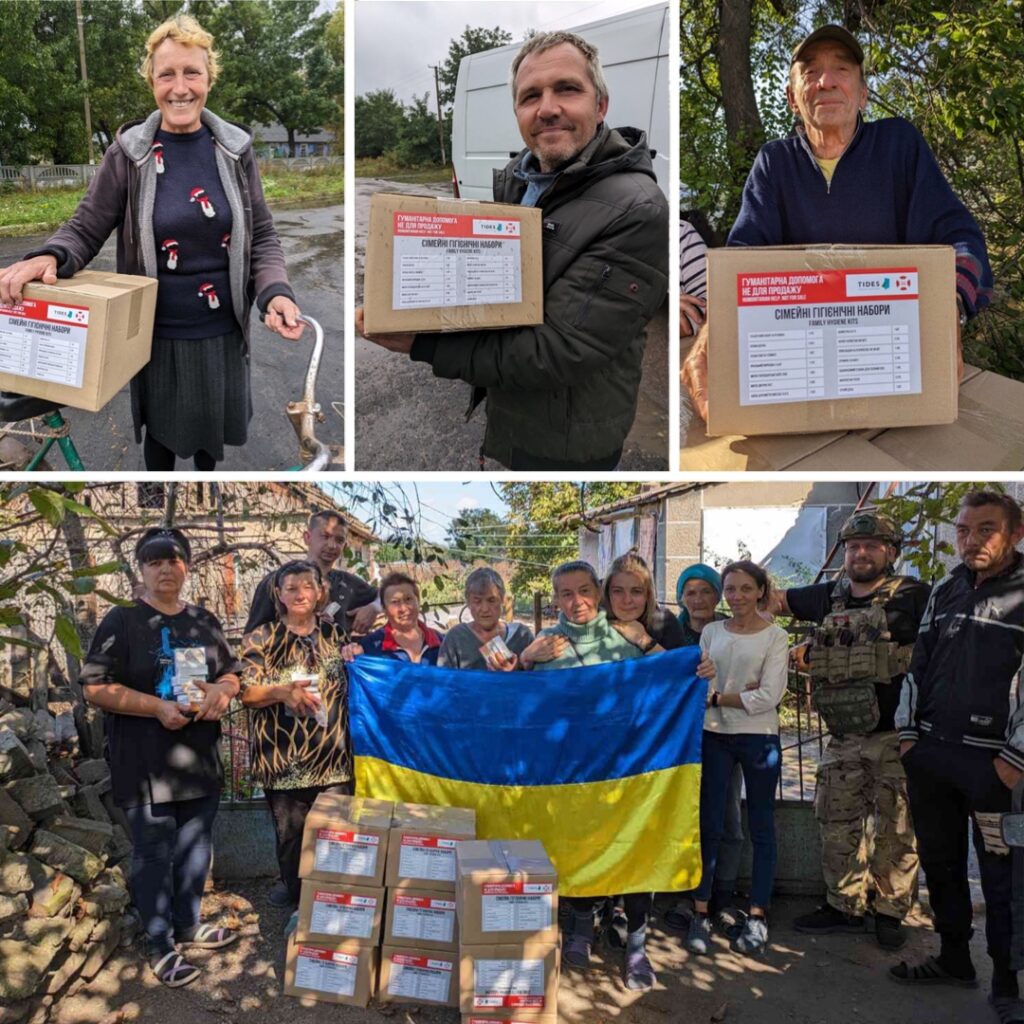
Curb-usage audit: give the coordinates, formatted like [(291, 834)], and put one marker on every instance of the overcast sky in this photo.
[(396, 40)]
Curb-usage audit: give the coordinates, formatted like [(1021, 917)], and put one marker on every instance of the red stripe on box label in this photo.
[(780, 288), (432, 842), (426, 962), (452, 225), (516, 888), (334, 836), (424, 903), (315, 953), (522, 1002), (48, 312), (344, 899)]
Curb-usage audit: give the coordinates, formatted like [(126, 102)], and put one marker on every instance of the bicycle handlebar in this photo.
[(304, 414)]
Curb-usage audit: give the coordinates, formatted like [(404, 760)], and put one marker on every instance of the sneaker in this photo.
[(826, 920), (279, 896), (889, 932), (698, 935), (640, 974), (753, 938), (729, 921), (679, 917), (576, 952)]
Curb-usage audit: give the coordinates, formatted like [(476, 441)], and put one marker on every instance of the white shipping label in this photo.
[(342, 914), (455, 260), (809, 335), (427, 857), (421, 918), (516, 906), (44, 341), (345, 853), (498, 983), (323, 971), (416, 977)]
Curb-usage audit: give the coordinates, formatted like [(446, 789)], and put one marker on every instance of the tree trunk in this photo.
[(743, 126), (291, 142)]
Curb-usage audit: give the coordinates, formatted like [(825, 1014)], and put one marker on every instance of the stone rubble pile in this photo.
[(64, 901)]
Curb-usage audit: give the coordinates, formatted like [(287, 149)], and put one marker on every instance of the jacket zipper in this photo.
[(606, 272)]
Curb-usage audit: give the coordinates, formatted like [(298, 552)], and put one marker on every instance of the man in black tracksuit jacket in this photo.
[(961, 730)]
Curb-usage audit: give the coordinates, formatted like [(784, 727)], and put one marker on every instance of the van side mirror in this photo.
[(1013, 829)]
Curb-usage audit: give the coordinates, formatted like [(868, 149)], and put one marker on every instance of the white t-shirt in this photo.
[(740, 659)]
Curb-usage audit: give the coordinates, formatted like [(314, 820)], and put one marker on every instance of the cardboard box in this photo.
[(507, 892), (421, 849), (521, 978), (343, 972), (79, 341), (412, 975), (329, 912), (345, 840), (422, 917), (509, 1017), (805, 340), (436, 264)]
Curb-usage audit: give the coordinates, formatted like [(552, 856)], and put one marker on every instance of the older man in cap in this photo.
[(840, 179)]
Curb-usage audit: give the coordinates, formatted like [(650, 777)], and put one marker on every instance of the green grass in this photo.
[(31, 213), (381, 167)]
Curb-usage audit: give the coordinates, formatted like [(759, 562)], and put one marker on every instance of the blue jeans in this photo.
[(170, 862), (760, 759)]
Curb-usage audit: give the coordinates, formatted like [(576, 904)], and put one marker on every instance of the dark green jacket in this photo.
[(567, 389)]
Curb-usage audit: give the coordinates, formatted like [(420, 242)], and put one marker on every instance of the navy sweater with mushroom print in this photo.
[(191, 227)]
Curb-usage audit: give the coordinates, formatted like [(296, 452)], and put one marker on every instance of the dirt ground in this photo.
[(407, 419), (800, 980)]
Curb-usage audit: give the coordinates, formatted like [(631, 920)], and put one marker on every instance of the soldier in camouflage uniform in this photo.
[(867, 624)]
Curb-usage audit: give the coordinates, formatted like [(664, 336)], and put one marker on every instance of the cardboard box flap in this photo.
[(501, 858), (356, 810), (428, 818)]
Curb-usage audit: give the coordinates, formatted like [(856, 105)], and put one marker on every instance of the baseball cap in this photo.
[(834, 32)]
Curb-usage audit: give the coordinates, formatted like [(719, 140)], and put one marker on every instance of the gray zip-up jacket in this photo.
[(121, 197), (568, 388)]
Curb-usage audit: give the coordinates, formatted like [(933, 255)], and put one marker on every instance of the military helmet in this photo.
[(870, 522)]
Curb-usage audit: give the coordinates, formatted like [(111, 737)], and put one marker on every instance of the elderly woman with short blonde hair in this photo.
[(182, 190)]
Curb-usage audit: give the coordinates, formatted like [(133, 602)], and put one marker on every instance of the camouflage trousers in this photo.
[(867, 836)]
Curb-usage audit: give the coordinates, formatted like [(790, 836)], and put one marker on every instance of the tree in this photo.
[(417, 139), (334, 39), (543, 520), (277, 65), (478, 533), (379, 119), (472, 40)]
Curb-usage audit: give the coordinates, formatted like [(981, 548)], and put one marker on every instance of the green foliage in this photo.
[(543, 520), (472, 40), (478, 533), (417, 141), (379, 119), (920, 511)]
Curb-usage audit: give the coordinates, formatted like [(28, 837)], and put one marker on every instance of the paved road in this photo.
[(407, 419), (313, 242)]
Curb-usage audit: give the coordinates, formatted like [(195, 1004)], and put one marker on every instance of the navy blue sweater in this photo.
[(886, 190), (191, 225)]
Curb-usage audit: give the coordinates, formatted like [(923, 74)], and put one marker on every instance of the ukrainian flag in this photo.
[(601, 764)]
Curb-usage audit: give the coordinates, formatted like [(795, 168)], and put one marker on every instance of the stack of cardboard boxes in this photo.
[(351, 847), (507, 903)]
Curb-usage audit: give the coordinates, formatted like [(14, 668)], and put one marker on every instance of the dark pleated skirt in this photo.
[(194, 395)]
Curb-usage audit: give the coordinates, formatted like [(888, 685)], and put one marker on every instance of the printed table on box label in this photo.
[(44, 341), (809, 336), (455, 260), (323, 971)]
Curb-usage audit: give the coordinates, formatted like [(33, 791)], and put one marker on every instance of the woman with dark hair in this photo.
[(741, 727), (466, 645), (294, 685), (164, 674), (405, 636)]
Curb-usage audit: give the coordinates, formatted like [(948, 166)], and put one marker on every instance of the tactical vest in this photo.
[(853, 651)]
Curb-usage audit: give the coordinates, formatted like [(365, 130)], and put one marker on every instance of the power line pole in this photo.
[(440, 123), (85, 76)]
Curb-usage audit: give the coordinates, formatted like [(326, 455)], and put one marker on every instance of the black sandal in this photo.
[(174, 971), (1008, 1009), (928, 972)]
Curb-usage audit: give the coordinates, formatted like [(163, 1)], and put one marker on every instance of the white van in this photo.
[(633, 48)]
